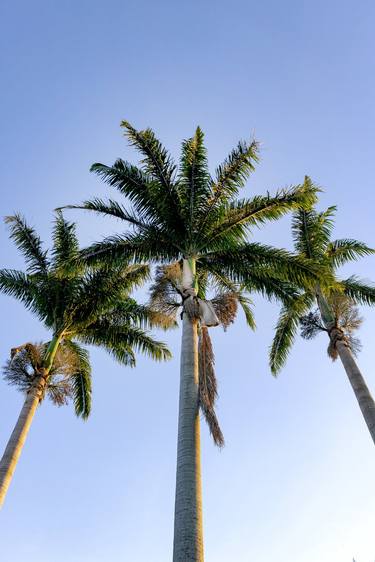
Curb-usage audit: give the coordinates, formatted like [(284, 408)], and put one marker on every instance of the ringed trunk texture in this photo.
[(17, 440), (359, 386), (188, 526)]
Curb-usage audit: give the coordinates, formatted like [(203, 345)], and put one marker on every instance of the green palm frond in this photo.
[(65, 242), (18, 285), (110, 208), (233, 173), (135, 185), (286, 330), (115, 338), (194, 179), (239, 216), (359, 291), (28, 243), (156, 160), (254, 259), (80, 377), (152, 246), (312, 231), (342, 251)]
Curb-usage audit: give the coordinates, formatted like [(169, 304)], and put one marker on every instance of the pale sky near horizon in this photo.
[(295, 482)]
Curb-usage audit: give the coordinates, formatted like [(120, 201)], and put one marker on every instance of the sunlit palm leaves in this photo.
[(312, 237)]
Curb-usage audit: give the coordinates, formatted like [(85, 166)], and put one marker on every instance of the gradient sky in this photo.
[(295, 482)]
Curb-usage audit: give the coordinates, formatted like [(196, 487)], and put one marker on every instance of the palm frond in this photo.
[(256, 260), (241, 215), (156, 160), (208, 385), (80, 377), (359, 291), (19, 285), (110, 208), (65, 242), (29, 243), (342, 251), (312, 231), (194, 179), (286, 329)]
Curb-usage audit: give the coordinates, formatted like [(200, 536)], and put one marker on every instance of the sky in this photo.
[(295, 481)]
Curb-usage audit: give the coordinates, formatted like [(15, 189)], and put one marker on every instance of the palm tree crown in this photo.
[(312, 238), (183, 212), (78, 306)]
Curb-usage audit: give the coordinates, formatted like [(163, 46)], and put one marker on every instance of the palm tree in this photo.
[(181, 217), (336, 313), (76, 307)]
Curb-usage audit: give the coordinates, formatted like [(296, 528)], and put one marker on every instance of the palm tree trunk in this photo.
[(359, 386), (17, 440), (188, 527)]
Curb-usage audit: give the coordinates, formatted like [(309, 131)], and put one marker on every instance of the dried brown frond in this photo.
[(347, 320), (21, 370), (208, 385), (24, 368), (165, 292), (226, 308), (346, 312)]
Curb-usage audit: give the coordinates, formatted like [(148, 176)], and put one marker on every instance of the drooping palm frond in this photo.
[(208, 385), (80, 378), (110, 208), (342, 251), (166, 290), (118, 339), (252, 261), (28, 243), (286, 330), (226, 308), (18, 285), (359, 291)]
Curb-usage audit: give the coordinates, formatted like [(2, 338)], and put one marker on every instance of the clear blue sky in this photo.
[(295, 482)]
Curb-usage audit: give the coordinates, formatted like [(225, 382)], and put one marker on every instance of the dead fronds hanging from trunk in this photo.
[(226, 308), (346, 321), (208, 385), (166, 291)]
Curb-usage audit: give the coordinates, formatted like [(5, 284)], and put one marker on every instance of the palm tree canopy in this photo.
[(312, 234), (79, 305), (174, 212)]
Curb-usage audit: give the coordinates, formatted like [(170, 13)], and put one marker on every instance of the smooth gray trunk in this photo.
[(17, 440), (188, 527), (359, 386)]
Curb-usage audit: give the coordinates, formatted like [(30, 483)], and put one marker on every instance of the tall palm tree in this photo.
[(312, 237), (76, 307), (181, 215)]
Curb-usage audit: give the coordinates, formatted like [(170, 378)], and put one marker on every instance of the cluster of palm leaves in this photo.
[(188, 231)]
